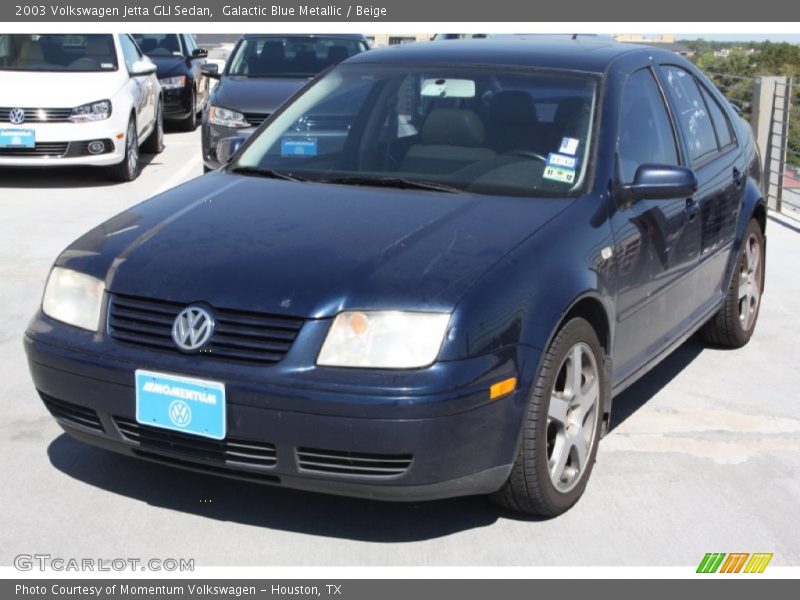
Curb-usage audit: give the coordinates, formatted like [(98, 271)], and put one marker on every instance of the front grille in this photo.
[(255, 476), (353, 463), (328, 122), (41, 150), (229, 451), (38, 115), (238, 335), (256, 119), (72, 413)]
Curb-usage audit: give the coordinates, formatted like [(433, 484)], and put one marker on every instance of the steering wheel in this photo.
[(526, 154)]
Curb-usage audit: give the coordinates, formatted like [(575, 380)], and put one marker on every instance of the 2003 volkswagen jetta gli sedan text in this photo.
[(441, 301)]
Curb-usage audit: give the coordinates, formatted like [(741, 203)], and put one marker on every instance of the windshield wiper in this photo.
[(395, 182), (265, 172)]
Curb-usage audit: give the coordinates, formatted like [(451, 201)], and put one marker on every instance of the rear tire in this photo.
[(129, 168), (562, 426), (154, 144), (733, 325)]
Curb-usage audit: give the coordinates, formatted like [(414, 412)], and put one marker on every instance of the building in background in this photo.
[(665, 41)]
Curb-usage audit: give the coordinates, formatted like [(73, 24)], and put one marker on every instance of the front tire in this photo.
[(733, 325), (190, 122), (129, 168), (562, 426)]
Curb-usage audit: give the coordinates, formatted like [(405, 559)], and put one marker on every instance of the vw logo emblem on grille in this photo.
[(180, 413), (192, 328), (16, 116)]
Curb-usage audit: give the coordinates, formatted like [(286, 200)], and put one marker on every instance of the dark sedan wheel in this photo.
[(190, 122), (733, 325), (562, 426), (129, 168)]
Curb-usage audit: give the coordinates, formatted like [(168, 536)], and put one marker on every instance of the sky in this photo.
[(746, 37)]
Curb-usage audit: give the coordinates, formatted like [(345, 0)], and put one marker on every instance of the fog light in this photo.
[(97, 147)]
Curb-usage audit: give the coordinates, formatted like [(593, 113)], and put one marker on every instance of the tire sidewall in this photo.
[(131, 174), (575, 331), (753, 228)]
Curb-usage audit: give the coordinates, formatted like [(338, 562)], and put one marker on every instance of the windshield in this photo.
[(482, 130), (159, 44), (58, 52), (290, 56)]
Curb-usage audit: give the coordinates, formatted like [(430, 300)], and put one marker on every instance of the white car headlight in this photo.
[(173, 83), (226, 117), (73, 298), (384, 339), (94, 111)]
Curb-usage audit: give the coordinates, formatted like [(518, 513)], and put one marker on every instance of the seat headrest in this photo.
[(572, 113), (513, 107), (453, 127), (96, 46), (148, 45), (31, 51), (171, 43), (337, 54), (272, 52)]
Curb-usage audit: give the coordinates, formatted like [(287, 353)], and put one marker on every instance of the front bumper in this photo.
[(212, 134), (380, 443), (63, 144), (177, 102)]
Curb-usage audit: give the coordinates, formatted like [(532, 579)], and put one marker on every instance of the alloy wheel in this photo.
[(750, 282), (571, 417)]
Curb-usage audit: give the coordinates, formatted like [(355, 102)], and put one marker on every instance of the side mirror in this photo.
[(144, 66), (199, 53), (227, 147), (661, 182), (210, 70)]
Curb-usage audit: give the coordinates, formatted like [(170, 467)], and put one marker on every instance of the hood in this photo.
[(168, 66), (48, 89), (306, 249), (255, 94)]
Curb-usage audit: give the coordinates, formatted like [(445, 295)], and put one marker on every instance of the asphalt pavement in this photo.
[(704, 453)]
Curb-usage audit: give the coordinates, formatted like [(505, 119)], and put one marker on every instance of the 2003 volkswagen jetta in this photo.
[(441, 299)]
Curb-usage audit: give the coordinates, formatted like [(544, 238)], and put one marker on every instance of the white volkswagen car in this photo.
[(68, 99)]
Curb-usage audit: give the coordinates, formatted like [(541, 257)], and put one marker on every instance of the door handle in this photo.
[(738, 178), (692, 207)]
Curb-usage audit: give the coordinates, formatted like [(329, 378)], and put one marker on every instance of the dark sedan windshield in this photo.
[(481, 130), (159, 44), (290, 56), (58, 52)]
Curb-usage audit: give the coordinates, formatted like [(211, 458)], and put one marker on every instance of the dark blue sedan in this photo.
[(440, 298)]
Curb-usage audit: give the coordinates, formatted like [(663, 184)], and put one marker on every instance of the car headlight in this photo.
[(73, 298), (384, 339), (94, 111), (226, 117), (173, 83)]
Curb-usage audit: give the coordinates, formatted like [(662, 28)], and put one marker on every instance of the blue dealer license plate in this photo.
[(17, 138), (184, 404)]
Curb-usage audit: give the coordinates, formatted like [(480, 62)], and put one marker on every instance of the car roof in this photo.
[(344, 36), (580, 54)]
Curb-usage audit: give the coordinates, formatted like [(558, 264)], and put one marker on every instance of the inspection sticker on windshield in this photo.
[(559, 174), (562, 160), (184, 404), (569, 145), (299, 147)]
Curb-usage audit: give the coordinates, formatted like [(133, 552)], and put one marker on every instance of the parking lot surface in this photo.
[(703, 455)]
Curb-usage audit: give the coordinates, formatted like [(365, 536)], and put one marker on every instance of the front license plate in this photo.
[(17, 138), (185, 404)]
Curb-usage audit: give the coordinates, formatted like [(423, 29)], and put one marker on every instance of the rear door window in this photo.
[(692, 113)]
